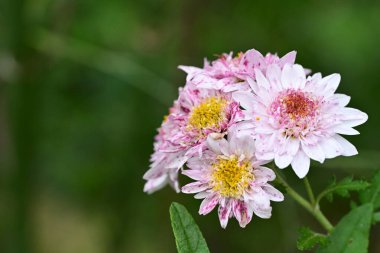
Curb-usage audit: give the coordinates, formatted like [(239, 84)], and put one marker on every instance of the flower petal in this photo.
[(155, 184), (208, 204), (315, 152), (283, 161), (194, 187), (219, 146), (347, 148), (301, 164), (273, 193), (243, 213), (224, 213), (245, 99), (194, 174)]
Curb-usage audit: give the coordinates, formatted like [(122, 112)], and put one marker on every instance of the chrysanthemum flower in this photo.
[(166, 159), (196, 114), (295, 118), (229, 73), (228, 175)]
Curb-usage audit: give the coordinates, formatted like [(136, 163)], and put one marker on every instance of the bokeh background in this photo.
[(84, 85)]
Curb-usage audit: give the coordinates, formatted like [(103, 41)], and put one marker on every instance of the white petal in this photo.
[(301, 164), (352, 117), (253, 85), (331, 83), (274, 76), (330, 147), (273, 193), (315, 152), (347, 148), (245, 99), (202, 195), (242, 145), (292, 146), (261, 205), (155, 184), (264, 213), (293, 76), (263, 174), (283, 161), (262, 82), (219, 146), (341, 99), (343, 129)]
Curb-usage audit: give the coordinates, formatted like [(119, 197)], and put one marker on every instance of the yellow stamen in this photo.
[(209, 113), (230, 177)]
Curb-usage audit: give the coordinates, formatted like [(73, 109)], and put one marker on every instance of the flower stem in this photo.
[(309, 190), (314, 210)]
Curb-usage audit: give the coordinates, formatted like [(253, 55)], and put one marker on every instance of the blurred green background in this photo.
[(84, 84)]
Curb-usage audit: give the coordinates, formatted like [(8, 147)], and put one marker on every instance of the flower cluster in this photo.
[(238, 113)]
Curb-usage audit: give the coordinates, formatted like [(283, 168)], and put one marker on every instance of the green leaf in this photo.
[(308, 239), (342, 188), (187, 235), (352, 232), (372, 194)]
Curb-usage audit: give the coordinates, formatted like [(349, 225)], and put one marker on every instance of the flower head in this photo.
[(229, 175), (295, 118), (229, 73), (196, 114)]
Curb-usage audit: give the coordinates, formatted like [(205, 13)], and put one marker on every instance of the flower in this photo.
[(166, 160), (229, 73), (295, 118), (196, 114), (228, 174)]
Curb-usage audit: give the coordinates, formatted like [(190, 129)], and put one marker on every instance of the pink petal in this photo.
[(208, 204), (243, 213), (288, 58), (194, 174), (194, 187), (224, 214)]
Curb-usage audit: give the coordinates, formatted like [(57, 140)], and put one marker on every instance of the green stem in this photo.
[(313, 210), (309, 190)]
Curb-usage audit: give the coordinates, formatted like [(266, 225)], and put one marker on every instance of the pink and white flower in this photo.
[(229, 175), (229, 73), (295, 118), (196, 114), (166, 160)]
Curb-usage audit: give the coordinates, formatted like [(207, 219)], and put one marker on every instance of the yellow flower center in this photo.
[(208, 114), (230, 177)]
